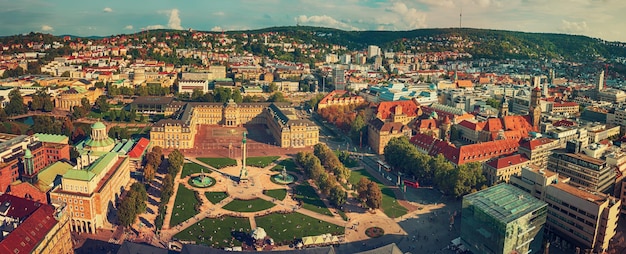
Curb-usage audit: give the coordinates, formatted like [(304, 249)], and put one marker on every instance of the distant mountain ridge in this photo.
[(481, 43)]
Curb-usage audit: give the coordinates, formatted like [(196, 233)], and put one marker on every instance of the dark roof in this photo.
[(153, 100), (137, 248)]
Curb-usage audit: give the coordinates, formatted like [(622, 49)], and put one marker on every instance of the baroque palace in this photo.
[(283, 123)]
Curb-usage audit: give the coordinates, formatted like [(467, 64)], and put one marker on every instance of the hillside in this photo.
[(481, 43)]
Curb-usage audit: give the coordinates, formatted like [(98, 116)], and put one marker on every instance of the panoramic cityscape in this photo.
[(317, 130)]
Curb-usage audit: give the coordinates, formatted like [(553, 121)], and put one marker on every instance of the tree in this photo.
[(374, 196), (361, 188), (99, 84), (236, 96), (126, 212), (337, 196), (176, 158), (149, 172), (65, 74), (357, 129), (16, 103), (272, 87), (277, 97), (102, 105)]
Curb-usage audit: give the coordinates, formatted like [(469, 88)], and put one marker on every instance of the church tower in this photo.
[(445, 129), (535, 107), (504, 108)]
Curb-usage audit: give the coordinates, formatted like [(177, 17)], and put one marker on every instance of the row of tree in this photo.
[(327, 184), (331, 162), (132, 205), (402, 156), (175, 163)]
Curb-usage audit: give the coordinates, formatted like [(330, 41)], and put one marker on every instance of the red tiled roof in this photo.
[(485, 151), (139, 148), (464, 83), (507, 161), (563, 122), (478, 126), (385, 108), (566, 104), (518, 123), (38, 221), (493, 124), (532, 144), (427, 124)]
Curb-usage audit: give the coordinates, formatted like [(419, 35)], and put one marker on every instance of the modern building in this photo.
[(90, 193), (284, 124), (584, 171), (502, 219), (577, 217), (33, 227), (188, 86)]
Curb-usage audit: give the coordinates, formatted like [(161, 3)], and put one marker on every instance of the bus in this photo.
[(411, 184)]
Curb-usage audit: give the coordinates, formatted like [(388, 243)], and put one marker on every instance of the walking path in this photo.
[(260, 180)]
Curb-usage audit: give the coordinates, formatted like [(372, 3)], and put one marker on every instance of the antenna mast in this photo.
[(461, 18)]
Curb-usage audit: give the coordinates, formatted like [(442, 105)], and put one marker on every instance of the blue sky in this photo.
[(596, 18)]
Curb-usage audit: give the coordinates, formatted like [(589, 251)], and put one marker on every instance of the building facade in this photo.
[(379, 133), (284, 124), (501, 169), (502, 219), (538, 150), (584, 171), (579, 218), (90, 192)]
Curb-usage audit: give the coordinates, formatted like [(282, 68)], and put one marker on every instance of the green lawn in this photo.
[(253, 205), (184, 206), (390, 206), (216, 231), (310, 200), (215, 197), (260, 162), (283, 228), (289, 165), (193, 168), (219, 162), (279, 194)]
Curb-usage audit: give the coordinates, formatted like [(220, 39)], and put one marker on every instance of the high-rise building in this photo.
[(577, 217), (502, 219), (600, 84), (339, 79), (372, 51)]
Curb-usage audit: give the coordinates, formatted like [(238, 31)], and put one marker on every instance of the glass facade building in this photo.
[(502, 219)]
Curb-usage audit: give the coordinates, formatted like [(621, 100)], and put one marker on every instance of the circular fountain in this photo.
[(283, 177), (202, 180)]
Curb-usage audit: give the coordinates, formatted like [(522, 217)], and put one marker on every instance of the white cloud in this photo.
[(216, 29), (174, 22), (153, 27), (573, 27), (438, 3), (129, 27), (325, 21), (107, 9), (47, 28), (219, 13), (404, 17)]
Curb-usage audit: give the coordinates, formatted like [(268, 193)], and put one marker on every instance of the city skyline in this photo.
[(594, 18)]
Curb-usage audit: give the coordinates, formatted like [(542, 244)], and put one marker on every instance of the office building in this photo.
[(501, 169), (577, 217), (502, 219), (584, 171)]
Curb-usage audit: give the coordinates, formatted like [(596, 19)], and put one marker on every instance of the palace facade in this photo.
[(283, 123)]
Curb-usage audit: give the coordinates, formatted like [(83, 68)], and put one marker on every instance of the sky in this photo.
[(595, 18)]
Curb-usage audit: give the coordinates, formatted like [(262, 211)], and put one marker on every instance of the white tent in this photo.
[(258, 233)]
